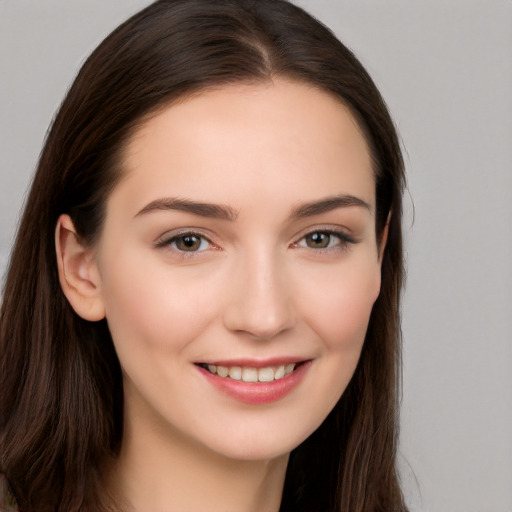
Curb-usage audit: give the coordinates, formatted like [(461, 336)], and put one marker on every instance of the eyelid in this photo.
[(345, 238), (341, 231), (165, 240)]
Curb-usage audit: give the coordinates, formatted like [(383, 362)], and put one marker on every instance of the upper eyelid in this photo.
[(174, 233), (346, 239), (335, 230), (167, 238), (343, 232)]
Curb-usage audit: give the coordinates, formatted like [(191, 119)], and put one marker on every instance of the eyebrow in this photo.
[(327, 205), (215, 211), (223, 212)]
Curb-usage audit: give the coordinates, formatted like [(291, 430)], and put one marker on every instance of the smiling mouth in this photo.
[(250, 374)]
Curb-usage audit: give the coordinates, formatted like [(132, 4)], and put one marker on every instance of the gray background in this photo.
[(445, 69)]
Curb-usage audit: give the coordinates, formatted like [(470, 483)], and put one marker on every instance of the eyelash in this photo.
[(343, 244), (344, 240), (167, 242)]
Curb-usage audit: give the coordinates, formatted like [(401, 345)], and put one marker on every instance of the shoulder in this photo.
[(7, 502)]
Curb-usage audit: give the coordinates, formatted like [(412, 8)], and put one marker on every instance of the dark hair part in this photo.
[(61, 396)]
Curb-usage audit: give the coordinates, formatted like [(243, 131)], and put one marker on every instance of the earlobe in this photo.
[(78, 273)]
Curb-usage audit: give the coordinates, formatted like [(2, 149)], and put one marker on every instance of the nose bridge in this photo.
[(260, 300)]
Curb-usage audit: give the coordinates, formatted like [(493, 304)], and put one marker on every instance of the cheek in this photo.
[(340, 310), (337, 309), (148, 308)]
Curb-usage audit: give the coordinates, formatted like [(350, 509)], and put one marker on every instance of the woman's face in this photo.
[(240, 246)]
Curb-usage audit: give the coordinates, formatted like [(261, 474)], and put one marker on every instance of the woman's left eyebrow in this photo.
[(328, 204)]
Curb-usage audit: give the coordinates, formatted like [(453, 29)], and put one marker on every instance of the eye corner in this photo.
[(324, 240), (186, 242)]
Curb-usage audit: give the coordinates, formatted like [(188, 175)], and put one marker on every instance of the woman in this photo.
[(201, 308)]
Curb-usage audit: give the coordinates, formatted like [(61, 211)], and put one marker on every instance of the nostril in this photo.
[(259, 323)]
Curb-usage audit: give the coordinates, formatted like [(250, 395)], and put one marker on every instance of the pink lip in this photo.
[(256, 363), (257, 392)]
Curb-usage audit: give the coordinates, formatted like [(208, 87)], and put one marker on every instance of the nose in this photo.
[(260, 301)]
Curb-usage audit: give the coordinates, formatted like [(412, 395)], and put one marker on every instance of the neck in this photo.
[(166, 471)]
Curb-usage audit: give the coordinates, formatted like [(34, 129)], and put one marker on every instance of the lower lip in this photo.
[(258, 392)]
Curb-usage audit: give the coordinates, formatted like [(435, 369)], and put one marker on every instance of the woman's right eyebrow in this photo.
[(216, 211)]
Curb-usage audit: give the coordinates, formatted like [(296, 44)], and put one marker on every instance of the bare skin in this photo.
[(212, 482), (241, 239)]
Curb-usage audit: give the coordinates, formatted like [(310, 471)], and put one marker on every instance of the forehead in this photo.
[(279, 137)]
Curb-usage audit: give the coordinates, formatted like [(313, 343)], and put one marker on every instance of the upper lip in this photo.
[(256, 363)]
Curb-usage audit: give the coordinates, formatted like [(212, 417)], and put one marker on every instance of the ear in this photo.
[(384, 238), (78, 274)]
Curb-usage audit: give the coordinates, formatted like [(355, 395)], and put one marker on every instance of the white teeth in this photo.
[(235, 373), (289, 368), (279, 374), (266, 374), (249, 374), (222, 371)]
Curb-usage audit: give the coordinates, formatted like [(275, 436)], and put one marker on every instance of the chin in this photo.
[(262, 442)]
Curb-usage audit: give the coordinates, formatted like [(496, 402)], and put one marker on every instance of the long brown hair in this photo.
[(61, 396)]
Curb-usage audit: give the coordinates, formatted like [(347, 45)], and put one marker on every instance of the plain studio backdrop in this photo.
[(445, 70)]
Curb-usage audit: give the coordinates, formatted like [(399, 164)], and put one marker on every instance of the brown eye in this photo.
[(321, 240), (189, 242), (327, 239)]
